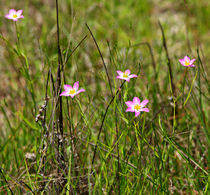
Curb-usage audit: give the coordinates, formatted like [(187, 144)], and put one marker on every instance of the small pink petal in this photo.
[(127, 71), (192, 61), (145, 109), (186, 58), (129, 103), (119, 77), (127, 79), (64, 93), (144, 103), (119, 72), (67, 87), (72, 95), (79, 91), (132, 75), (12, 11), (19, 12), (182, 61), (136, 100), (137, 113), (129, 109), (76, 85), (8, 16), (15, 19), (21, 17)]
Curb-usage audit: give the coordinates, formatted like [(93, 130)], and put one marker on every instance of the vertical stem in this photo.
[(118, 154), (58, 82), (18, 36), (168, 58)]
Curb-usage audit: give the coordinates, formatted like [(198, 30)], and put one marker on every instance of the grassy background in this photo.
[(163, 151)]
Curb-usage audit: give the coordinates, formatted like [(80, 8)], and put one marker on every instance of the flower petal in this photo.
[(128, 72), (79, 91), (129, 103), (145, 109), (12, 11), (136, 100), (127, 79), (19, 12), (64, 93), (120, 73), (8, 16), (144, 103), (132, 76), (119, 77), (192, 61), (76, 85), (182, 61), (129, 109), (186, 58), (137, 113), (67, 87), (72, 95)]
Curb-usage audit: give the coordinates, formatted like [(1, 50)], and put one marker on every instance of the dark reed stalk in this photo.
[(74, 50), (168, 59), (107, 74), (58, 83), (102, 123)]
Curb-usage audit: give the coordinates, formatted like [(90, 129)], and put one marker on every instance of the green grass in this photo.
[(165, 151)]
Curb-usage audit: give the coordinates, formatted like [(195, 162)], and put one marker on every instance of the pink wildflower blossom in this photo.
[(14, 15), (137, 106), (187, 62), (72, 91), (125, 75)]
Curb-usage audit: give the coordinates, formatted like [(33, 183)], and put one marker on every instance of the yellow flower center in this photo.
[(72, 91), (15, 16), (137, 107), (125, 75), (187, 62)]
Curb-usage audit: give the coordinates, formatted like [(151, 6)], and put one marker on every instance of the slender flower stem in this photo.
[(100, 130), (18, 36)]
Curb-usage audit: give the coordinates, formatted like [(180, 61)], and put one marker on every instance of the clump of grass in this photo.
[(90, 143)]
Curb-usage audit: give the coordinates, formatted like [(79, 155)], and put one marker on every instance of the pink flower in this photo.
[(125, 75), (14, 15), (137, 106), (187, 62), (72, 91)]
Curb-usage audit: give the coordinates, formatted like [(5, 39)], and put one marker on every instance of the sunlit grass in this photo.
[(99, 148)]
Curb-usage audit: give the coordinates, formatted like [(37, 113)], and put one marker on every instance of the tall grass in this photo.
[(89, 144)]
